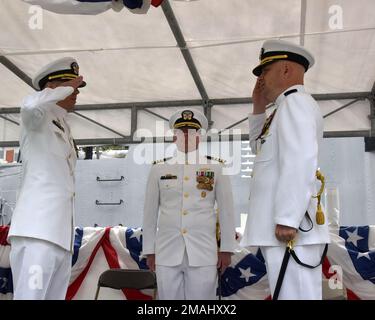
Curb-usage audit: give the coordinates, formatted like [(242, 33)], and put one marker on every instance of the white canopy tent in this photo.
[(141, 68)]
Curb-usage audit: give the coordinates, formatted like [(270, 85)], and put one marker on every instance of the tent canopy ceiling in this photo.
[(127, 58)]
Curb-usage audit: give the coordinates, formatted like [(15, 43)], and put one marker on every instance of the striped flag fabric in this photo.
[(97, 249), (94, 7)]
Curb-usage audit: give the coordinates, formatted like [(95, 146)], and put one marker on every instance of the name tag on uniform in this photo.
[(168, 177)]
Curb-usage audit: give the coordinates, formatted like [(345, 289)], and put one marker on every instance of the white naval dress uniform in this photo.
[(179, 226), (42, 226), (282, 188)]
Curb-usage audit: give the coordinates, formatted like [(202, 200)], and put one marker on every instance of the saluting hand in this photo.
[(75, 83), (259, 100)]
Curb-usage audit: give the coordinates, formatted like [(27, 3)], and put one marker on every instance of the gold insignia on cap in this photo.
[(184, 124), (75, 68), (271, 58), (261, 53), (187, 115)]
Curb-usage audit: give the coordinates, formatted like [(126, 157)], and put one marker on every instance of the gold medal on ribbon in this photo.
[(200, 186), (205, 180)]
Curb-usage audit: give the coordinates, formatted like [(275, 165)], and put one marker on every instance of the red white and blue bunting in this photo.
[(93, 7), (97, 249)]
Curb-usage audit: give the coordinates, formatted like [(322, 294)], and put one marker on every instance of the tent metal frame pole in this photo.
[(17, 71), (242, 120), (25, 78), (207, 103), (372, 111), (325, 116), (176, 30), (98, 124), (341, 108), (234, 124), (155, 114), (133, 121), (141, 105), (319, 97), (134, 113), (10, 120), (303, 23), (177, 33), (346, 134), (195, 102), (341, 96), (243, 137)]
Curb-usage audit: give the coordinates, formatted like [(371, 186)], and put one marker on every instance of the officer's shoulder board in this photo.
[(161, 160), (216, 159), (287, 93)]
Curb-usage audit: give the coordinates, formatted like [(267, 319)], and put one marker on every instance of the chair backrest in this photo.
[(127, 278)]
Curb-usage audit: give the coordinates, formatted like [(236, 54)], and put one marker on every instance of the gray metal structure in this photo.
[(206, 102)]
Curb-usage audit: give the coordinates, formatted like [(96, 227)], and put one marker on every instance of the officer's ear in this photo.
[(198, 139), (286, 69), (47, 85), (175, 135)]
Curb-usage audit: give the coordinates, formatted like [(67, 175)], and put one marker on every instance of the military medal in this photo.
[(200, 186), (266, 126), (205, 179), (260, 139), (203, 194)]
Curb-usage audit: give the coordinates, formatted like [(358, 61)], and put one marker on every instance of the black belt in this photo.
[(309, 219), (219, 282), (290, 252)]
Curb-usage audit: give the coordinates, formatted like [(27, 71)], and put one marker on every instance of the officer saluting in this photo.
[(179, 224), (42, 226), (283, 203)]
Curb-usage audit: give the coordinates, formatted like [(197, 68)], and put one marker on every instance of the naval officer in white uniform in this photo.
[(282, 203), (42, 226), (180, 219)]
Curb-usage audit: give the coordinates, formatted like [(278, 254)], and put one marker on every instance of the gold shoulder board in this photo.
[(216, 159), (161, 160)]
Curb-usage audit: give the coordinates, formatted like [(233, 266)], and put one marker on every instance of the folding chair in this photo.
[(127, 279)]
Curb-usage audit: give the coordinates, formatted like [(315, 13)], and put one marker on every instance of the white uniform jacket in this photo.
[(179, 215), (44, 208), (284, 181)]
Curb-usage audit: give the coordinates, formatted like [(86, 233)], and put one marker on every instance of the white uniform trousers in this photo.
[(184, 282), (300, 283), (40, 269)]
